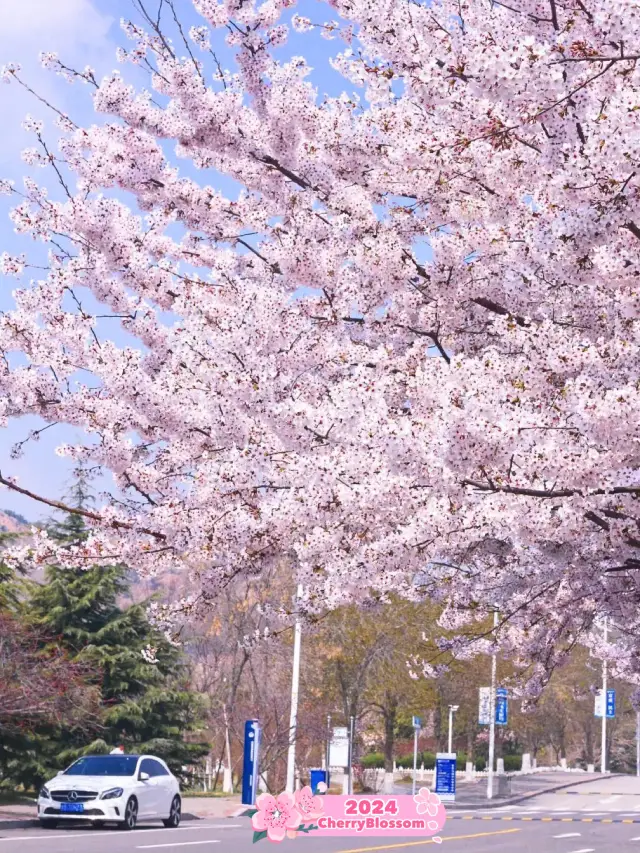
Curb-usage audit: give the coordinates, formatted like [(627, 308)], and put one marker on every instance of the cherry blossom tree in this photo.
[(41, 685), (406, 354)]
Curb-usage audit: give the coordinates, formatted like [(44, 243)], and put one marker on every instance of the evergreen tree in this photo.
[(147, 707)]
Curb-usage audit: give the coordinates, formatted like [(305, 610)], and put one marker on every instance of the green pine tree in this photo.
[(147, 707)]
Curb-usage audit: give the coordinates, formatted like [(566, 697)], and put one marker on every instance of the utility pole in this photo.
[(295, 684), (352, 721), (637, 743), (492, 719), (416, 732), (328, 749), (603, 746)]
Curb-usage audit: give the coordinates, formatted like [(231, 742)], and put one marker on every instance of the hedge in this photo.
[(374, 759), (512, 762), (405, 762)]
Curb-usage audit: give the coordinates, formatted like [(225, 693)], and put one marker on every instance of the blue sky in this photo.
[(87, 32)]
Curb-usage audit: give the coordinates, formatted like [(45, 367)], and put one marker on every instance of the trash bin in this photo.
[(503, 786), (318, 776)]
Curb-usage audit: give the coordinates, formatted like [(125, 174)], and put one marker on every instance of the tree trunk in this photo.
[(437, 727), (589, 756), (499, 745), (470, 742), (389, 733)]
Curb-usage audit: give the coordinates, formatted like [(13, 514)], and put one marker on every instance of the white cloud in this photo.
[(74, 29)]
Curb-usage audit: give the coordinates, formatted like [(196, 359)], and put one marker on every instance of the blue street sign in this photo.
[(251, 763), (502, 706), (446, 775), (416, 722), (611, 704)]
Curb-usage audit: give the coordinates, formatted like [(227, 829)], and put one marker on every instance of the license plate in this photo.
[(72, 807)]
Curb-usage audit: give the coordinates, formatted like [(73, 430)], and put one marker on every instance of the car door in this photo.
[(146, 790), (163, 782)]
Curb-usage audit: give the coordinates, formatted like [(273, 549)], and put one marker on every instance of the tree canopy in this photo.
[(405, 352)]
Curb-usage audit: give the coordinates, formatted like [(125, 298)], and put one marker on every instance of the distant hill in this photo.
[(12, 522)]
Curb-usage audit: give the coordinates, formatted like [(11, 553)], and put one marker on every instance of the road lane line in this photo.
[(585, 850), (609, 800), (73, 834), (431, 841), (177, 844), (568, 835)]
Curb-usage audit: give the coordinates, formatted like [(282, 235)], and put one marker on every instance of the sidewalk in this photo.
[(16, 816), (193, 808), (474, 795)]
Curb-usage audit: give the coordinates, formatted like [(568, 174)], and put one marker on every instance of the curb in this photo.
[(31, 823), (521, 798), (18, 823)]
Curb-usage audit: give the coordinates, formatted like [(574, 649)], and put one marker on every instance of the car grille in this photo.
[(85, 813), (80, 796)]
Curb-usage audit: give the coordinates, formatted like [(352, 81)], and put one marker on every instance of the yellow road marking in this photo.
[(606, 821), (587, 820), (546, 819), (430, 841), (627, 821), (527, 818)]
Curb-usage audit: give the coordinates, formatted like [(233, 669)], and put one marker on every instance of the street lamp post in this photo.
[(603, 745), (452, 710), (637, 743), (295, 683), (492, 718)]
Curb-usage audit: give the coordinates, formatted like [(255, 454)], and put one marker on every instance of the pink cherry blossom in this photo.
[(404, 354), (276, 815), (310, 807), (427, 802)]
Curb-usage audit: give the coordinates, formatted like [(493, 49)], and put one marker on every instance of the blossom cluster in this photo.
[(461, 423)]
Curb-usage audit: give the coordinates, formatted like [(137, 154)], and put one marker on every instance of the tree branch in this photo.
[(85, 513)]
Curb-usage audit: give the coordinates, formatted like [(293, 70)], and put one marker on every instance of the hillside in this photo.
[(12, 522)]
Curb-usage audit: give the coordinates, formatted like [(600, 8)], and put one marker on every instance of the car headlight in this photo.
[(111, 794), (44, 793)]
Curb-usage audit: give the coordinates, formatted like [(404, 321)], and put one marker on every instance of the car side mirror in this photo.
[(143, 777)]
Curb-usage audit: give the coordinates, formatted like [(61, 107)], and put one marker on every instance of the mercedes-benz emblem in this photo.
[(73, 795)]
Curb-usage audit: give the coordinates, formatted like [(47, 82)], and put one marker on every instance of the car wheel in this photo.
[(174, 814), (48, 824), (130, 814)]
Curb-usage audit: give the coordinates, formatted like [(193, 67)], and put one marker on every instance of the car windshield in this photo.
[(103, 765)]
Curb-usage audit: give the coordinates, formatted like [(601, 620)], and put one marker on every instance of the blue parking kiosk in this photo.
[(446, 776), (251, 762)]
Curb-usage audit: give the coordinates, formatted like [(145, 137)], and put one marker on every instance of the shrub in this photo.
[(481, 764), (461, 761), (429, 760), (512, 762), (374, 759)]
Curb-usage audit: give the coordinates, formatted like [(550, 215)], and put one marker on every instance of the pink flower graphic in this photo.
[(426, 802), (276, 816), (310, 807)]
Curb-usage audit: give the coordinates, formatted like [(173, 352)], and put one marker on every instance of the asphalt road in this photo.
[(597, 818)]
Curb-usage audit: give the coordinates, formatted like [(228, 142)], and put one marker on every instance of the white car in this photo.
[(124, 789)]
